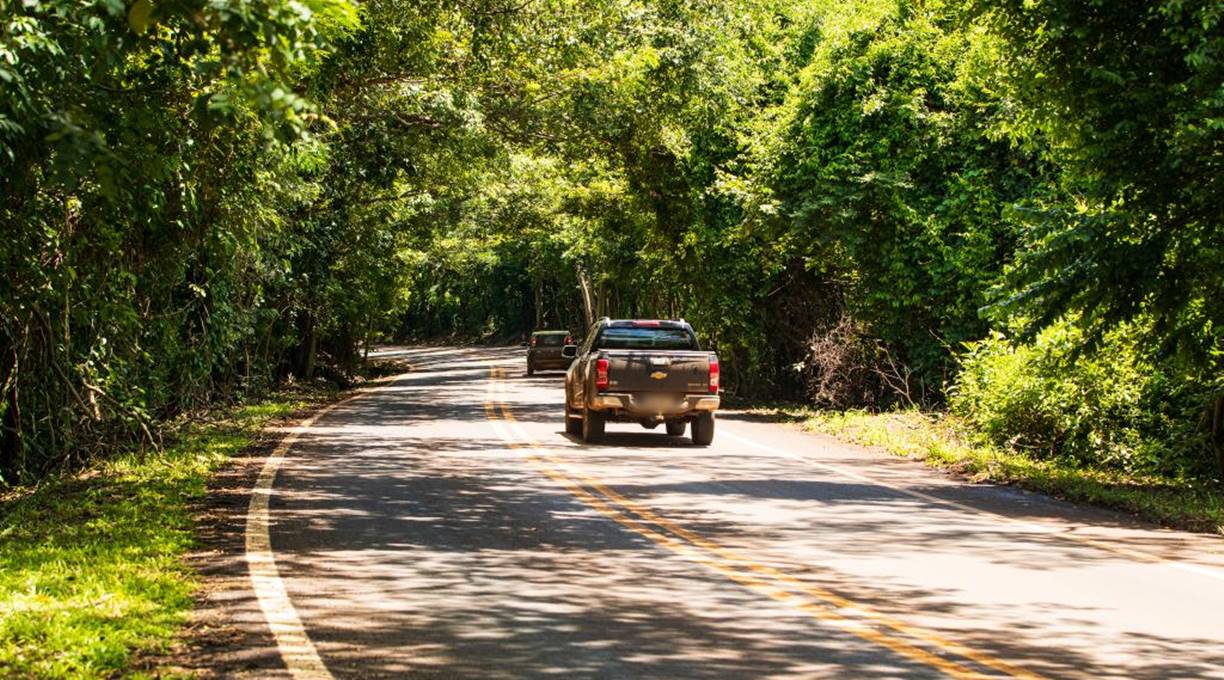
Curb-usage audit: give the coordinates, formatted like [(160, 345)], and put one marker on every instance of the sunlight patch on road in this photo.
[(1028, 525)]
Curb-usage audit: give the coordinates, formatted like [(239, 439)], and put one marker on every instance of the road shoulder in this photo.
[(228, 634)]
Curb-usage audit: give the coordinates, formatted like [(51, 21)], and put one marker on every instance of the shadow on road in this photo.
[(417, 543)]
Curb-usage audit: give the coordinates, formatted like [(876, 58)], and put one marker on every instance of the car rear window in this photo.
[(628, 337), (550, 339)]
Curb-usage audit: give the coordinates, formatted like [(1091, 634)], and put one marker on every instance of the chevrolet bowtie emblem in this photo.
[(658, 375)]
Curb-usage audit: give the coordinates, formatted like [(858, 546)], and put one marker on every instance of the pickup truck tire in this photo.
[(573, 422), (676, 429), (703, 429), (592, 426)]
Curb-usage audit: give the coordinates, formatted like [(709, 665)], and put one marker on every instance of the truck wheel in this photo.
[(592, 426), (573, 423), (676, 428), (703, 429)]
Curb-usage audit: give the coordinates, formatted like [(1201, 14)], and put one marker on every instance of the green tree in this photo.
[(1126, 97)]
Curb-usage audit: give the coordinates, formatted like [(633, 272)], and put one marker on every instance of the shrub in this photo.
[(1118, 407)]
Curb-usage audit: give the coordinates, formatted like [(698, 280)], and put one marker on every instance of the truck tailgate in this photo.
[(677, 372)]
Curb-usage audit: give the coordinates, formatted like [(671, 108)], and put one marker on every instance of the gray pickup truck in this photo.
[(641, 371)]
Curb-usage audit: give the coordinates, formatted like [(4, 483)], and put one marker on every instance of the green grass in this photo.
[(943, 441), (92, 571)]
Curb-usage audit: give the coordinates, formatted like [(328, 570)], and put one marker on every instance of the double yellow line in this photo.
[(909, 641)]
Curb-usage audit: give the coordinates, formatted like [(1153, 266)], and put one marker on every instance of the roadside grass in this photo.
[(943, 441), (92, 571)]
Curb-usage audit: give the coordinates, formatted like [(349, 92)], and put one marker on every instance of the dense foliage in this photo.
[(147, 193), (1014, 204)]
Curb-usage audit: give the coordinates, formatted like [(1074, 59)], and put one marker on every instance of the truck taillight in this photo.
[(569, 340), (601, 374), (714, 375), (533, 341)]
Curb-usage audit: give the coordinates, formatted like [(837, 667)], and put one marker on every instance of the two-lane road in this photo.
[(443, 525)]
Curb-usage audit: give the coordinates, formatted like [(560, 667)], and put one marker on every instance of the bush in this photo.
[(846, 367), (1118, 407)]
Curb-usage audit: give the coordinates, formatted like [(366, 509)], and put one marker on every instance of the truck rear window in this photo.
[(550, 340), (616, 337)]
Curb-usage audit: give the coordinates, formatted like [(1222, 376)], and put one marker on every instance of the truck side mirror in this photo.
[(569, 351)]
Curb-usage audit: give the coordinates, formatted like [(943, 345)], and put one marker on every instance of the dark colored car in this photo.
[(642, 371), (545, 349)]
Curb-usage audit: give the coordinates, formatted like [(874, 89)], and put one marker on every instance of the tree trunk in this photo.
[(10, 438), (539, 304), (269, 371), (1217, 433), (588, 302), (310, 349), (365, 349)]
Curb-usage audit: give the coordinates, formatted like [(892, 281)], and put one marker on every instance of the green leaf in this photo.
[(140, 16)]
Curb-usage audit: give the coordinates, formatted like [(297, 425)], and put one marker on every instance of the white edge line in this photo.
[(1032, 526), (294, 644)]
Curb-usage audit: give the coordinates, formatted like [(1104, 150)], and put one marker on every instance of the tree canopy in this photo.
[(857, 203)]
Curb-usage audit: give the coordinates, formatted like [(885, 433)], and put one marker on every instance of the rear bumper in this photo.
[(638, 406), (549, 362)]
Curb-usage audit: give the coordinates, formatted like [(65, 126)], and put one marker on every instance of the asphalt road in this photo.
[(445, 526)]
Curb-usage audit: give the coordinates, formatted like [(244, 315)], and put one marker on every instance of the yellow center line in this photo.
[(812, 590), (709, 553)]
